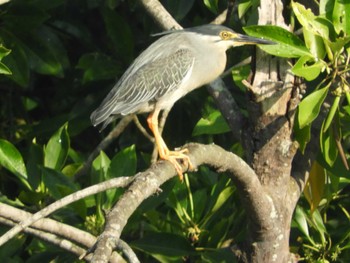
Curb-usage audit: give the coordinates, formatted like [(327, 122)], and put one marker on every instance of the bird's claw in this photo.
[(174, 156)]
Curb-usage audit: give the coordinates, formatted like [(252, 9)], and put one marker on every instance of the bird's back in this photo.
[(157, 71)]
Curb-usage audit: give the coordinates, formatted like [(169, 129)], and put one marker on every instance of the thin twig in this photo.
[(142, 129), (119, 128), (113, 183)]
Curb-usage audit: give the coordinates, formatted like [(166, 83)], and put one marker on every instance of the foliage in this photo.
[(323, 59), (64, 56)]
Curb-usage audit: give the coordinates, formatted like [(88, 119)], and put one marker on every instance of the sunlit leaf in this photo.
[(317, 25), (334, 108), (315, 44), (300, 219), (310, 106), (287, 44), (341, 17), (11, 159), (56, 150), (305, 67), (213, 124)]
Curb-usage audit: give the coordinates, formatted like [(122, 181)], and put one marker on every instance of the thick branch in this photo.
[(148, 183)]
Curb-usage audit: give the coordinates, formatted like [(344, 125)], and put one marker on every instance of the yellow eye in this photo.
[(225, 35)]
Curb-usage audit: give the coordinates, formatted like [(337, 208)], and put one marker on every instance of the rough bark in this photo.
[(271, 149)]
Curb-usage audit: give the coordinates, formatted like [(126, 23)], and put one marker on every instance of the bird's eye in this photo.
[(224, 35)]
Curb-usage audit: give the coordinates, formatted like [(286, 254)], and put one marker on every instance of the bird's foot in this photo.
[(175, 156)]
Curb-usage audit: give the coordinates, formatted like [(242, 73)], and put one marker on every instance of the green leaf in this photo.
[(334, 108), (310, 106), (35, 161), (315, 44), (300, 219), (58, 184), (4, 69), (45, 51), (341, 17), (17, 60), (165, 244), (98, 66), (306, 67), (119, 33), (317, 25), (287, 44), (4, 52), (222, 198), (303, 135), (328, 146), (99, 174), (11, 159), (213, 124), (56, 150), (212, 5), (315, 185), (123, 163), (24, 15)]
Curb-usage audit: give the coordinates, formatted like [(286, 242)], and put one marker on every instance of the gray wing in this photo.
[(149, 82)]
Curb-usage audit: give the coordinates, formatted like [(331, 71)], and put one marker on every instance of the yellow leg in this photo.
[(164, 153)]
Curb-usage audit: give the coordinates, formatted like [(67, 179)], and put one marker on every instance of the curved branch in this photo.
[(147, 183)]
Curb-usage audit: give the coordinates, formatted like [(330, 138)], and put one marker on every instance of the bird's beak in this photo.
[(239, 40)]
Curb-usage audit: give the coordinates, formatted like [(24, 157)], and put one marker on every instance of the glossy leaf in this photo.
[(17, 60), (213, 124), (310, 106), (11, 159), (287, 44), (300, 220), (3, 68), (56, 150)]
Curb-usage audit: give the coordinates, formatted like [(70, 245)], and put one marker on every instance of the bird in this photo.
[(174, 65)]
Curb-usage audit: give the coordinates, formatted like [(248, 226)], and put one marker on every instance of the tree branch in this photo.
[(113, 183), (147, 183), (122, 124)]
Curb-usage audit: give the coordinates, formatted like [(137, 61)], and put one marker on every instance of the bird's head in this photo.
[(226, 37)]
